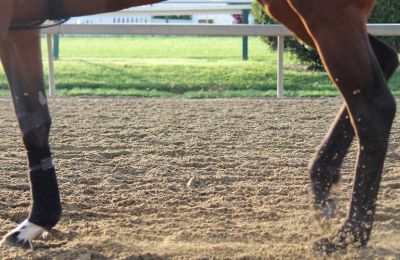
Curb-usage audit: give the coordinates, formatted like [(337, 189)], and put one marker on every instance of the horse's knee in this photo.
[(36, 136), (35, 128)]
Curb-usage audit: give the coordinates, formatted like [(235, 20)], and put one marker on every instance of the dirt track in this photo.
[(124, 166)]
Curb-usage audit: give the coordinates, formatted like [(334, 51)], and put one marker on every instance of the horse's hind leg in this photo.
[(325, 166), (326, 163), (21, 58), (368, 99)]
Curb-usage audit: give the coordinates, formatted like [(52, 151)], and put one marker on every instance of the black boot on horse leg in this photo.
[(325, 166), (21, 58), (368, 100)]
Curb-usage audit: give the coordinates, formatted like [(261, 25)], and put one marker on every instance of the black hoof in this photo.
[(349, 236), (12, 240), (326, 246)]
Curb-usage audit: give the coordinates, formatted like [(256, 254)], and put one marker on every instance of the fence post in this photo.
[(56, 47), (280, 82), (52, 81), (245, 40)]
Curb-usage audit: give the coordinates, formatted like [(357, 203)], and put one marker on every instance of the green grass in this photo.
[(188, 67)]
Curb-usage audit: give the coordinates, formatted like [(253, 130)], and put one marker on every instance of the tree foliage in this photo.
[(385, 11)]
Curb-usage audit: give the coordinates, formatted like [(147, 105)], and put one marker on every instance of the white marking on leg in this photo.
[(27, 232)]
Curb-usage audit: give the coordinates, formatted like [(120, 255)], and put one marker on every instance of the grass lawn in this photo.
[(188, 67)]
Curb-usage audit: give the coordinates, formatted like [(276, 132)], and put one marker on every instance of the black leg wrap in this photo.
[(46, 206)]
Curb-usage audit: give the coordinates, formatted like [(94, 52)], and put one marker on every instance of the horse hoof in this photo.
[(325, 245), (348, 236), (22, 235)]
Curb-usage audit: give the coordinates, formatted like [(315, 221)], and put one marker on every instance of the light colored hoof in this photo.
[(22, 235)]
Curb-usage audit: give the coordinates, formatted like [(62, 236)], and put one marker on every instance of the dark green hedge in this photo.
[(386, 11)]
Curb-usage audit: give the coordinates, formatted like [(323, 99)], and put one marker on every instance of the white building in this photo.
[(212, 13)]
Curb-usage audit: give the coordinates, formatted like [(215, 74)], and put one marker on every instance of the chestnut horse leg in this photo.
[(352, 65), (21, 57), (326, 163)]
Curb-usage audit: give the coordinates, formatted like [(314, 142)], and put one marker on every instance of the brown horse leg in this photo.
[(21, 58), (326, 163), (368, 99)]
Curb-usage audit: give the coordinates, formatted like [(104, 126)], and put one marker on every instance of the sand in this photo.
[(188, 179)]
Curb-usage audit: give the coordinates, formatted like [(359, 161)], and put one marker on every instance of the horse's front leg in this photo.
[(21, 58)]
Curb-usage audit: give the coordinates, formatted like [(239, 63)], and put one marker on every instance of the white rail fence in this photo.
[(278, 31)]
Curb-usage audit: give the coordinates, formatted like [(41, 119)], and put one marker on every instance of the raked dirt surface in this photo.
[(188, 179)]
